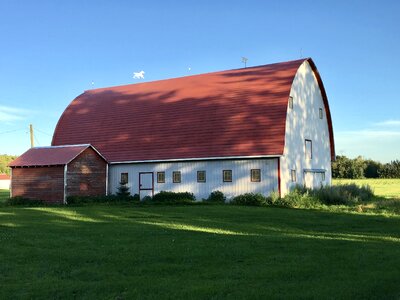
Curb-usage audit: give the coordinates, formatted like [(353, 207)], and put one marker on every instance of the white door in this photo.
[(313, 180), (146, 184)]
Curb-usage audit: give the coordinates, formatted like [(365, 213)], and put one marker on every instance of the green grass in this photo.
[(196, 252), (388, 188), (4, 194)]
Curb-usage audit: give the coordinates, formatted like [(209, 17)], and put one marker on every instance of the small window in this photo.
[(124, 178), (293, 175), (176, 176), (160, 177), (291, 102), (201, 176), (321, 113), (308, 149), (227, 175), (255, 175), (323, 176)]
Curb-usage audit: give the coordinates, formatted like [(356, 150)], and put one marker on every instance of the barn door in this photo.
[(146, 184), (313, 180)]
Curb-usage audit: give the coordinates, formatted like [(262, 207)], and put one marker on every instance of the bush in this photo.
[(216, 197), (23, 201), (123, 190), (172, 197), (250, 199), (346, 194), (73, 200)]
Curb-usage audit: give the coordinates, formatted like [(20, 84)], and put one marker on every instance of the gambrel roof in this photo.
[(235, 113)]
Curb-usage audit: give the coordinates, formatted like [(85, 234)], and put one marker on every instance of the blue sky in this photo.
[(51, 51)]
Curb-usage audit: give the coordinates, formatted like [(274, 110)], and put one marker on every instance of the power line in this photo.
[(10, 131), (41, 131)]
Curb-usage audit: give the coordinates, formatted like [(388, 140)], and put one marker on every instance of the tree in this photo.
[(123, 190), (4, 161)]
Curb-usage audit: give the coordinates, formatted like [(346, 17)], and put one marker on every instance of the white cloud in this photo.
[(8, 113), (388, 123)]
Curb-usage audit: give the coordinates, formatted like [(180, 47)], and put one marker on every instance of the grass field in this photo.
[(125, 252), (4, 194), (388, 188)]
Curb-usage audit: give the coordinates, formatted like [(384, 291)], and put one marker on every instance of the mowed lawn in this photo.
[(388, 188), (196, 252)]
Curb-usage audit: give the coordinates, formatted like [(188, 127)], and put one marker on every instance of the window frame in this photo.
[(311, 149), (253, 178), (127, 178), (158, 178), (227, 172), (173, 176), (290, 102), (205, 176), (293, 175), (321, 113), (323, 177)]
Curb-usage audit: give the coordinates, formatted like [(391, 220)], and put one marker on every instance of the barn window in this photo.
[(227, 175), (293, 175), (201, 176), (291, 102), (321, 113), (255, 175), (308, 149), (176, 176), (160, 177), (124, 178)]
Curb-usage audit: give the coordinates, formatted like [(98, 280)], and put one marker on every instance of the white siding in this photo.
[(303, 123), (240, 184), (5, 184)]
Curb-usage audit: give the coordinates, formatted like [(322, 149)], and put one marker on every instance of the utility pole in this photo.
[(31, 133), (244, 60)]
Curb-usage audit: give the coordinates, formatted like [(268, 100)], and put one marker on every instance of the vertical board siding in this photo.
[(241, 180), (86, 175), (42, 183)]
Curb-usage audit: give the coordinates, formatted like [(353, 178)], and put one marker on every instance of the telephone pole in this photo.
[(31, 133)]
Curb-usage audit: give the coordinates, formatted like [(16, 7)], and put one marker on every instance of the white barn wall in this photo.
[(240, 184), (302, 123)]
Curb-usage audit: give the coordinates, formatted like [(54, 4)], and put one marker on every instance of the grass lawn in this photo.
[(388, 188), (185, 252), (4, 194)]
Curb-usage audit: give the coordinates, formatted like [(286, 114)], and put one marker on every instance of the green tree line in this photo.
[(4, 161), (355, 168)]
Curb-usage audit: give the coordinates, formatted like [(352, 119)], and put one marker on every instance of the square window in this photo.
[(255, 175), (227, 175), (176, 176), (308, 146), (321, 113), (124, 178), (201, 176), (291, 102), (293, 175), (160, 177)]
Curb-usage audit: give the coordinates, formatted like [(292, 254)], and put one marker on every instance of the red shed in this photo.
[(53, 173)]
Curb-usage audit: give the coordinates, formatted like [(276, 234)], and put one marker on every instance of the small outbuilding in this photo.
[(53, 173), (5, 181)]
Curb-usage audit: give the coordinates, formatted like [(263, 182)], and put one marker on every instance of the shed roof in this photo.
[(233, 113), (49, 156)]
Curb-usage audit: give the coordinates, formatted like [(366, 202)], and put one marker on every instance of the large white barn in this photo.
[(258, 129)]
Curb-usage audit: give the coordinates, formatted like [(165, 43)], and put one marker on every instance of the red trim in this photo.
[(327, 110), (152, 183), (279, 177)]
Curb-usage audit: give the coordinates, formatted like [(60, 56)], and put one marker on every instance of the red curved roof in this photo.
[(230, 113)]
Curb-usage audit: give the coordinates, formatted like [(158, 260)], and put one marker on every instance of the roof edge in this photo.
[(195, 159), (326, 103)]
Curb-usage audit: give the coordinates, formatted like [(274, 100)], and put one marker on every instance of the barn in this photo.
[(51, 174), (258, 129)]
